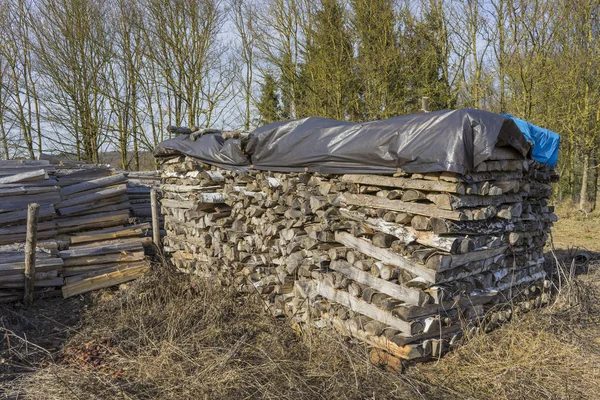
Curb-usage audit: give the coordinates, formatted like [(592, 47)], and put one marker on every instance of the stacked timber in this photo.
[(139, 185), (93, 218), (12, 266), (85, 239), (23, 182), (406, 263), (91, 199)]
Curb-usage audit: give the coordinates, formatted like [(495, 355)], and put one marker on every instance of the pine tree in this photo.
[(424, 44), (327, 73), (377, 61), (268, 106)]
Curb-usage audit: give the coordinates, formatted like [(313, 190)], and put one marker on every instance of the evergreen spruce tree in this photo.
[(377, 61), (327, 73), (424, 44), (268, 106)]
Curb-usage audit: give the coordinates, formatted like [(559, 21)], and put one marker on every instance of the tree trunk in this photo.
[(571, 169), (584, 182), (4, 140), (594, 193)]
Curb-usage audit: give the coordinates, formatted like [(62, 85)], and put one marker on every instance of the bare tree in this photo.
[(16, 48), (184, 39), (242, 15), (73, 57)]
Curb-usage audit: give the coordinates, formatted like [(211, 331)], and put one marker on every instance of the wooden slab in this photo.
[(397, 205), (405, 183), (398, 292), (385, 255)]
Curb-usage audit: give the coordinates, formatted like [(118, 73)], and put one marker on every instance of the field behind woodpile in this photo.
[(173, 336)]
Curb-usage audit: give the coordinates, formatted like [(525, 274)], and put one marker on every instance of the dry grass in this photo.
[(576, 229), (553, 353)]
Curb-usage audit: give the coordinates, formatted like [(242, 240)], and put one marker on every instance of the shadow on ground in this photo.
[(31, 336)]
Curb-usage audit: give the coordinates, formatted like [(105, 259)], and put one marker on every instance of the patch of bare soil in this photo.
[(30, 337)]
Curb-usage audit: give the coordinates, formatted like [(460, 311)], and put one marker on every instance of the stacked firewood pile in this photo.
[(85, 240), (407, 263)]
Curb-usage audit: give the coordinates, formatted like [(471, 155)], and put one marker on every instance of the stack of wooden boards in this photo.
[(49, 267), (84, 211), (139, 185), (406, 263)]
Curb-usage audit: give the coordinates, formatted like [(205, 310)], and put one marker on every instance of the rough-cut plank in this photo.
[(96, 207), (387, 256), (398, 292), (101, 270), (451, 202), (362, 307), (20, 204), (96, 219), (406, 233), (21, 215), (397, 205), (128, 231), (93, 184), (144, 240), (95, 196), (189, 204), (25, 190), (52, 282), (17, 229), (187, 188), (101, 250), (405, 183), (442, 262), (43, 264), (45, 275), (29, 176), (104, 259), (20, 237), (83, 269), (103, 281)]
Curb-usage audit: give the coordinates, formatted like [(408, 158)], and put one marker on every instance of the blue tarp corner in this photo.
[(545, 142)]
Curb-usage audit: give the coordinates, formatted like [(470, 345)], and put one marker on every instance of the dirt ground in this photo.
[(28, 336), (172, 337)]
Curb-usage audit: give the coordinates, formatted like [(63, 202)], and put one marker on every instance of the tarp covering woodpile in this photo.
[(453, 141), (405, 261)]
